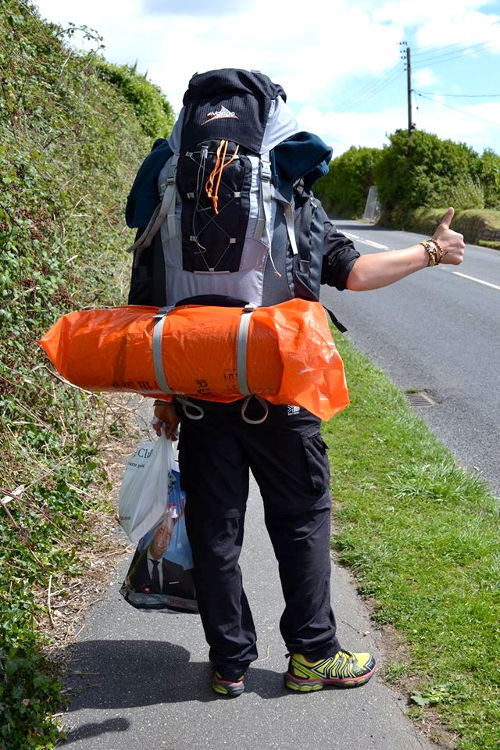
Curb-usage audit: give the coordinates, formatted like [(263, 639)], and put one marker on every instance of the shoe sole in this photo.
[(309, 686), (228, 690)]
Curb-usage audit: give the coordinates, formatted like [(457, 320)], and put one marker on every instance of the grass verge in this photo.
[(478, 225), (421, 535)]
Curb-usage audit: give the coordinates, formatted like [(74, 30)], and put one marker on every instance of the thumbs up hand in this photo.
[(450, 242)]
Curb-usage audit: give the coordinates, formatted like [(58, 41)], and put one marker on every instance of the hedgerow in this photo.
[(70, 144), (153, 111), (345, 188), (411, 174)]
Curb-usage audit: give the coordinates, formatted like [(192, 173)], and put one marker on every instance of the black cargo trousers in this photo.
[(287, 457)]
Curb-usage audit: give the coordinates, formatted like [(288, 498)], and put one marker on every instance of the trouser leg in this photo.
[(214, 475), (302, 547), (225, 613), (291, 466)]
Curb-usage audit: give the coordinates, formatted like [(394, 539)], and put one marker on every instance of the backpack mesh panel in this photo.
[(211, 241)]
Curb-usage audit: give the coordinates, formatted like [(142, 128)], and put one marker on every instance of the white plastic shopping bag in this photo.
[(160, 575), (144, 490)]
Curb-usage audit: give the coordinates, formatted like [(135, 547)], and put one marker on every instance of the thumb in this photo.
[(446, 220)]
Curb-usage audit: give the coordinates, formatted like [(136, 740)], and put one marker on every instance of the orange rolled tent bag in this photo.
[(284, 353)]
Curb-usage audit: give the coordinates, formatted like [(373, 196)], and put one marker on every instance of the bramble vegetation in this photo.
[(70, 144), (153, 111)]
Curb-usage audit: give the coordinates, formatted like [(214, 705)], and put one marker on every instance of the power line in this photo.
[(463, 96), (462, 112), (370, 90), (440, 58), (429, 53), (463, 53)]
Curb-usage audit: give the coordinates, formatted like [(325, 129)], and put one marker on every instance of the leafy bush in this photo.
[(344, 189), (153, 111), (490, 178), (70, 145), (421, 171), (467, 193)]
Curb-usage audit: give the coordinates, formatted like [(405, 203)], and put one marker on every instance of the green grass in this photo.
[(421, 535), (478, 225)]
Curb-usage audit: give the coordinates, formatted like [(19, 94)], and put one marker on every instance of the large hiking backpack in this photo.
[(234, 218)]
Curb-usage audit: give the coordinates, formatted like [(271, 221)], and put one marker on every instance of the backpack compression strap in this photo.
[(241, 366), (264, 218), (165, 209), (157, 350)]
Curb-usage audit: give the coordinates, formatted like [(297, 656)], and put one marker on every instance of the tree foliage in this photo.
[(489, 174), (411, 174), (422, 171), (345, 188)]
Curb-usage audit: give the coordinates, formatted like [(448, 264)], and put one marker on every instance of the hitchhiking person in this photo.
[(226, 215)]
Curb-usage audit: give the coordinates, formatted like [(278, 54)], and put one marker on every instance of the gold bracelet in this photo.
[(441, 253), (434, 251)]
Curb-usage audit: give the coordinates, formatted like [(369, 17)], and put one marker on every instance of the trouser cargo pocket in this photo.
[(315, 450)]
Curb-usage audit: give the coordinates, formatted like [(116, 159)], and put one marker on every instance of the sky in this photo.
[(342, 64)]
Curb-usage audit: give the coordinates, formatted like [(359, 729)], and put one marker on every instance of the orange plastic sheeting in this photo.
[(291, 357)]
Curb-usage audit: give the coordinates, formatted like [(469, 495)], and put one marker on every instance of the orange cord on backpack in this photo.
[(216, 173)]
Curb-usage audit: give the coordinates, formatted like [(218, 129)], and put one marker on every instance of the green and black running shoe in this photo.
[(227, 688), (344, 669)]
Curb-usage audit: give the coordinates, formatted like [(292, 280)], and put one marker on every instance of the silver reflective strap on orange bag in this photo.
[(241, 363), (157, 349)]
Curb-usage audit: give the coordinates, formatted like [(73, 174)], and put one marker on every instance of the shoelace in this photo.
[(340, 651)]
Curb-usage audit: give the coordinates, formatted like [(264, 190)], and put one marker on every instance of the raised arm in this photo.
[(375, 270)]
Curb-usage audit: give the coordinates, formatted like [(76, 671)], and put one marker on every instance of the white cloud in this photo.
[(477, 125), (321, 55), (424, 77), (472, 124), (308, 53), (445, 22), (192, 7), (341, 131)]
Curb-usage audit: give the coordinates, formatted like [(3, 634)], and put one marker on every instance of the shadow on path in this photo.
[(96, 729), (123, 674)]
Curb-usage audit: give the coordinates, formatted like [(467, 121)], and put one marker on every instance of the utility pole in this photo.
[(408, 84)]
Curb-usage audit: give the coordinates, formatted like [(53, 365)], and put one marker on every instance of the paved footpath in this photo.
[(141, 680)]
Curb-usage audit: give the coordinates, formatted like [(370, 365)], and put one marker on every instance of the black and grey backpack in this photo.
[(235, 216)]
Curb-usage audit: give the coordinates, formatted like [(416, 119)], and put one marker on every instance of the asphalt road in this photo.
[(437, 331)]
